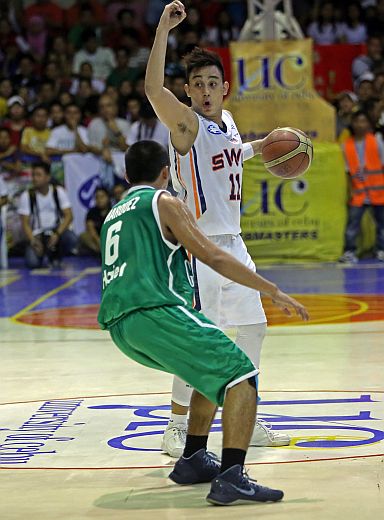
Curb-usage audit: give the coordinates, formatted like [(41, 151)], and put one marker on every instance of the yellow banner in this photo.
[(272, 86), (296, 220)]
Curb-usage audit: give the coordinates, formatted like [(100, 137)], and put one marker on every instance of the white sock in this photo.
[(178, 419)]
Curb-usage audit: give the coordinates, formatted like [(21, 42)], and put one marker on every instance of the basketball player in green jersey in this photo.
[(147, 308)]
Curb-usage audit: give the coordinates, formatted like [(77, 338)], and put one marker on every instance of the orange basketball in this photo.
[(287, 152)]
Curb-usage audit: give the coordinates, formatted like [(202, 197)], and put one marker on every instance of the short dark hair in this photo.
[(44, 166), (132, 33), (54, 103), (134, 97), (357, 114), (38, 107), (144, 161), (72, 104), (88, 34), (85, 80), (27, 56), (47, 81), (121, 49), (200, 58), (104, 190)]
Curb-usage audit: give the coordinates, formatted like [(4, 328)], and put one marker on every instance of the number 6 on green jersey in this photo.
[(112, 243)]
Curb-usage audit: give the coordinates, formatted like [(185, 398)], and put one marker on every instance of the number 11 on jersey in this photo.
[(235, 187)]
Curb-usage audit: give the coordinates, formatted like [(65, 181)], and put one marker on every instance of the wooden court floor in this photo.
[(80, 424)]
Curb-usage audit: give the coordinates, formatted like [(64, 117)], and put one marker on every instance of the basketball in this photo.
[(287, 152)]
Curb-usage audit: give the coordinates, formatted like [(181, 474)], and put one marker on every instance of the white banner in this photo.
[(83, 173)]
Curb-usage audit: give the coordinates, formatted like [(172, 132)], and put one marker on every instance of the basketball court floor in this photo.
[(80, 424)]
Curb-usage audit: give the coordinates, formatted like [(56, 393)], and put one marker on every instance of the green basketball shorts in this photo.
[(183, 342)]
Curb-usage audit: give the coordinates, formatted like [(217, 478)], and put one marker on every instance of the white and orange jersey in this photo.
[(209, 177)]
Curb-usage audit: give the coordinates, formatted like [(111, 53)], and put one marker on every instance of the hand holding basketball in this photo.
[(287, 152)]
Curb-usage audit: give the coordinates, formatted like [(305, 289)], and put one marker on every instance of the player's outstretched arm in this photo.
[(180, 119), (179, 225)]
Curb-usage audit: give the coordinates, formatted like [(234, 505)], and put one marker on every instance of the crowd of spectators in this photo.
[(72, 72)]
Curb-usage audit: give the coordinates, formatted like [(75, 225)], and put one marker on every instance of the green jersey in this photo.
[(140, 268)]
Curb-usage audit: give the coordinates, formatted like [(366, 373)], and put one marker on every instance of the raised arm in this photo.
[(179, 225), (177, 117)]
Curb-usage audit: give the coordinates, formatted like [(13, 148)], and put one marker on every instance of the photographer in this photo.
[(46, 216)]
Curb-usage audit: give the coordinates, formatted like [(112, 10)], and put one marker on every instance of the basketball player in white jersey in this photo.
[(207, 155)]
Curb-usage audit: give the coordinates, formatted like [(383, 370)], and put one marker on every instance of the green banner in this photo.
[(296, 220)]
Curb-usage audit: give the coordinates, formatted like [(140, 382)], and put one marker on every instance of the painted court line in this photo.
[(47, 295), (9, 281), (350, 457), (360, 391)]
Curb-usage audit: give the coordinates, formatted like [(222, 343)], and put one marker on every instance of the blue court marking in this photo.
[(31, 286)]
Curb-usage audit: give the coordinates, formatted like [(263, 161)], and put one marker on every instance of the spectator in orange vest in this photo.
[(364, 157)]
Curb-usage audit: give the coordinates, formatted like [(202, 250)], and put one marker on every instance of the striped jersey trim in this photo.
[(196, 319), (155, 211), (197, 301), (198, 194), (170, 280), (178, 173), (203, 203)]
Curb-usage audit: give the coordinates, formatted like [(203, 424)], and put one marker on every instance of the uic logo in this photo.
[(288, 72), (271, 197)]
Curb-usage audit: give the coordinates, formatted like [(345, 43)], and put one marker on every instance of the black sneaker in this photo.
[(234, 487), (202, 466)]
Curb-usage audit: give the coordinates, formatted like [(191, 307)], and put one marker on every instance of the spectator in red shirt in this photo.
[(125, 20), (9, 160), (72, 15), (16, 121), (51, 12), (87, 20)]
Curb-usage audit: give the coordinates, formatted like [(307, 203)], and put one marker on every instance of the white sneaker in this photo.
[(380, 256), (264, 436), (348, 257), (174, 439)]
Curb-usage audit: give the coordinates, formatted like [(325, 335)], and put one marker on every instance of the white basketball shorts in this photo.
[(227, 303)]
